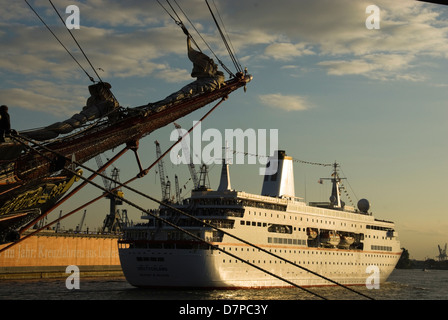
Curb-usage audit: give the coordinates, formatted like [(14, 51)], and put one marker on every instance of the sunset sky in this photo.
[(374, 100)]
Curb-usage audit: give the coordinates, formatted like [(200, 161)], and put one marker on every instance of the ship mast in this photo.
[(335, 198)]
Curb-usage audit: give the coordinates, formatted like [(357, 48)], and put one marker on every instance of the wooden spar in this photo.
[(130, 129)]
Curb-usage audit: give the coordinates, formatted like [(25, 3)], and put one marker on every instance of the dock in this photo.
[(47, 254)]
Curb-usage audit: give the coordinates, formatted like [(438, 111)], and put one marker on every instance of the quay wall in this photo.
[(47, 255)]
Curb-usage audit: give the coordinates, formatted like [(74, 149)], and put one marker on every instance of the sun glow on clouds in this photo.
[(287, 51), (136, 42), (284, 102)]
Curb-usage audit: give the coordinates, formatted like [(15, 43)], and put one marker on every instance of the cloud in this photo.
[(30, 52), (343, 67), (375, 66), (284, 102), (61, 100), (335, 32), (137, 39), (287, 51), (174, 75)]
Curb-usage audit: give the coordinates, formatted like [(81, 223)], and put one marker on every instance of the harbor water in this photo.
[(414, 284)]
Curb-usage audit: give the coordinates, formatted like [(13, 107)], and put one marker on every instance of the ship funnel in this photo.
[(224, 184), (280, 183)]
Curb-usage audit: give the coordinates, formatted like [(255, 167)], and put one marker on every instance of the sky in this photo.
[(372, 99)]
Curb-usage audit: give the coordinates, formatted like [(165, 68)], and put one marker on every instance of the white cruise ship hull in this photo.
[(206, 268)]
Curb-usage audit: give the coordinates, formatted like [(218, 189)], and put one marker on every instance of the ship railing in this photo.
[(262, 198), (337, 214)]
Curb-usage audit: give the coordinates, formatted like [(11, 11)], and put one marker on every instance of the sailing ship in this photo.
[(232, 239), (38, 167)]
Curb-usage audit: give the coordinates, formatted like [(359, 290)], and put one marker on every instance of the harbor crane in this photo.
[(186, 151), (114, 221), (203, 180), (165, 185), (176, 181), (81, 224), (442, 253)]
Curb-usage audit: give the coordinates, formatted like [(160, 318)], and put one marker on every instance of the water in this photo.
[(412, 284)]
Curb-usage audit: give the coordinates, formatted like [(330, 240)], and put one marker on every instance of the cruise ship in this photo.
[(232, 239)]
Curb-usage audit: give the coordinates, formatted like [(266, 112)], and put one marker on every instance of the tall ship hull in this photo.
[(241, 240)]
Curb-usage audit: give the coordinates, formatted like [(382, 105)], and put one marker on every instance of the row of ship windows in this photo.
[(161, 259), (152, 259), (377, 228), (239, 202), (320, 252), (382, 248), (377, 237), (287, 241), (312, 262), (265, 224), (343, 224)]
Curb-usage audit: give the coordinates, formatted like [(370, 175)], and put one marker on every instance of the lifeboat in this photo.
[(329, 239), (346, 241), (311, 233)]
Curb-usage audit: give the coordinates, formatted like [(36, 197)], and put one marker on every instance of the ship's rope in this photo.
[(179, 22), (346, 193), (119, 184), (99, 123), (307, 163), (266, 156), (141, 174), (76, 41), (293, 159), (224, 40), (60, 42), (194, 236), (229, 39)]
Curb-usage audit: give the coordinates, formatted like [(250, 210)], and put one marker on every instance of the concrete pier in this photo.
[(47, 255)]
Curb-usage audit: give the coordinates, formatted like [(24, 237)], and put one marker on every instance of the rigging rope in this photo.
[(49, 29), (79, 46), (119, 184), (230, 41), (179, 22), (184, 29), (293, 159), (164, 204), (229, 50), (77, 43), (350, 187)]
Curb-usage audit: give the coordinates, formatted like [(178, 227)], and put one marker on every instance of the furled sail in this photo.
[(100, 103), (206, 72)]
